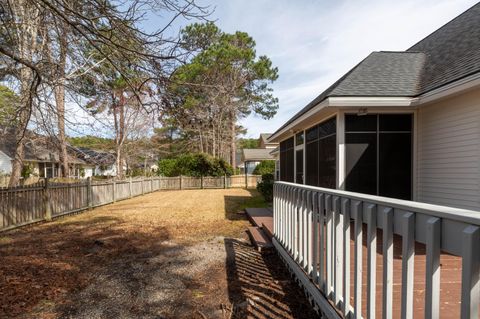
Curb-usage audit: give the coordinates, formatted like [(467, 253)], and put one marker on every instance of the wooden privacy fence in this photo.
[(321, 235), (45, 200)]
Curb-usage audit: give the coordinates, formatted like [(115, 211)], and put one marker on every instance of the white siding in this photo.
[(5, 164), (448, 170)]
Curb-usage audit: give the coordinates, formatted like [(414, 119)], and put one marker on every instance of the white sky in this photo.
[(313, 43)]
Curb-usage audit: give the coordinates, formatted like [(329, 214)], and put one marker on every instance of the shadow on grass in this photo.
[(259, 286), (235, 204), (89, 268)]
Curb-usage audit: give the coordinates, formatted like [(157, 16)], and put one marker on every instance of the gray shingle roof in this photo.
[(453, 51), (383, 74), (264, 137), (448, 54), (256, 154)]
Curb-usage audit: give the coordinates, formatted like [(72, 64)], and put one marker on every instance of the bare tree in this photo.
[(26, 38)]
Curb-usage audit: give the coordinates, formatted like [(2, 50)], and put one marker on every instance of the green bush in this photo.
[(166, 167), (265, 187), (195, 165), (265, 167)]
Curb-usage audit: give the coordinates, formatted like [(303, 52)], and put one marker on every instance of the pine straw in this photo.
[(43, 264)]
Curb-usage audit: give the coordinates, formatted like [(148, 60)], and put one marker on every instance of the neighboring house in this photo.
[(399, 124), (264, 143), (5, 164), (100, 163), (39, 155), (251, 157)]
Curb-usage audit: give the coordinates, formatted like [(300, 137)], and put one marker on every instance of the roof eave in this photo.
[(346, 102)]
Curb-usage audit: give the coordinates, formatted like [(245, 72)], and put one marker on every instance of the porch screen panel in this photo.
[(321, 154), (361, 162), (311, 157), (379, 154), (299, 167), (395, 156), (327, 153), (287, 160)]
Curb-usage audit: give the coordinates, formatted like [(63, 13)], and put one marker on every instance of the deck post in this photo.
[(46, 201), (470, 272)]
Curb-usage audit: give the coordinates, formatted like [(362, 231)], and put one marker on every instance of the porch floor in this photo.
[(450, 283)]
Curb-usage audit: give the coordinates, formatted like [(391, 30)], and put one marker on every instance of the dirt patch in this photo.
[(178, 254)]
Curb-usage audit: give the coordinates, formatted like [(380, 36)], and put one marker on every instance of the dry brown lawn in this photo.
[(175, 254)]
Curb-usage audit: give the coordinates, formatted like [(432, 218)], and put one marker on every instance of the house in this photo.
[(251, 157), (100, 163), (40, 156), (264, 143), (400, 124)]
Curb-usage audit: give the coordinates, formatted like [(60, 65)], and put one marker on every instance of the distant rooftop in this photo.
[(256, 154)]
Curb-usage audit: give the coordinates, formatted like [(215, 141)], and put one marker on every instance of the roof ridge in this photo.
[(408, 52)]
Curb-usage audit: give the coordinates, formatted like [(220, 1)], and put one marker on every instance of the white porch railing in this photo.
[(312, 235)]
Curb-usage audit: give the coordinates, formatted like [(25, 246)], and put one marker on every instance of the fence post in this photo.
[(201, 182), (246, 180), (181, 182), (224, 181), (143, 190), (151, 184), (114, 191), (130, 187), (46, 202), (89, 192)]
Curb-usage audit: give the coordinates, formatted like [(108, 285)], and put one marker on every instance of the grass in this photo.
[(254, 201), (43, 264)]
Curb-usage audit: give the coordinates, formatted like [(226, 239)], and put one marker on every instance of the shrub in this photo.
[(27, 170), (166, 167), (265, 187), (195, 165), (265, 167)]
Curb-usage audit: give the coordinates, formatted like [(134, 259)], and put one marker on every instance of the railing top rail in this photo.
[(452, 213)]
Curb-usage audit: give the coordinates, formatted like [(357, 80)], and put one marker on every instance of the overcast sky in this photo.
[(313, 43)]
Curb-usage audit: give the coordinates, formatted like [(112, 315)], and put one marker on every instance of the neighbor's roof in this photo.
[(447, 55), (94, 157), (38, 148), (256, 154), (264, 137)]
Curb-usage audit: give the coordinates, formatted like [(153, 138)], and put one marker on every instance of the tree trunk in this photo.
[(26, 41), (233, 144), (60, 102), (119, 113)]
